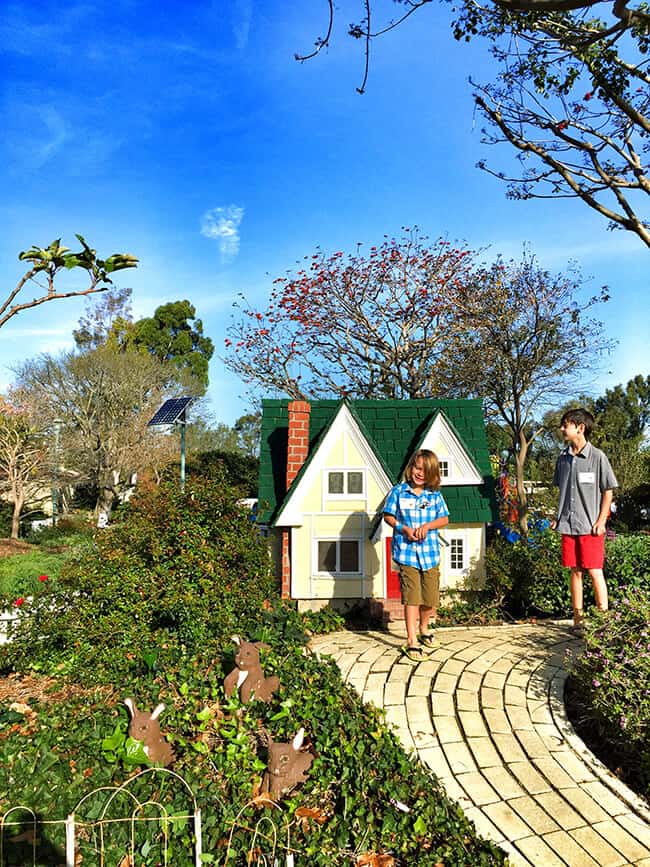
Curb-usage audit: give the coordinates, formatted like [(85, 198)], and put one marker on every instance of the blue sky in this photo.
[(186, 134)]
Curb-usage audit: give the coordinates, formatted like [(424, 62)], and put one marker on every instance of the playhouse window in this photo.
[(444, 469), (344, 483), (338, 555), (457, 555)]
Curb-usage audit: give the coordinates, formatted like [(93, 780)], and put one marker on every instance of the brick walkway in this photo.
[(485, 712)]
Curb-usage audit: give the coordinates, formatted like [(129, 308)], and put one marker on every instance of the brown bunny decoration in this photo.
[(146, 728), (248, 676), (287, 766)]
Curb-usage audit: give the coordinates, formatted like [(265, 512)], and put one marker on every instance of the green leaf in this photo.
[(134, 752), (420, 826)]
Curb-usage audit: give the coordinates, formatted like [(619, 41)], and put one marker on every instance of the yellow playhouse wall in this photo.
[(328, 517)]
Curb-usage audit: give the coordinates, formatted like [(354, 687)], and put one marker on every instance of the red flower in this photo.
[(19, 602), (42, 578), (588, 95)]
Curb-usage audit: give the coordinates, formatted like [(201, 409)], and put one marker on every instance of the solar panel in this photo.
[(170, 411)]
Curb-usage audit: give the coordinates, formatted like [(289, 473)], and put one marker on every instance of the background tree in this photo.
[(239, 470), (249, 429), (106, 319), (46, 265), (23, 459), (366, 326), (525, 342), (174, 335), (572, 96), (105, 399), (242, 438)]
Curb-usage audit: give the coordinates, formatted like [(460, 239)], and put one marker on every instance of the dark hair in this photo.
[(580, 416), (431, 468)]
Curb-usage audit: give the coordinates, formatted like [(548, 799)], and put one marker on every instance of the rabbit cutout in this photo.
[(146, 728), (287, 766), (248, 676)]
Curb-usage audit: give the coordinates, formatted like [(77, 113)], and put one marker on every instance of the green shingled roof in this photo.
[(394, 428)]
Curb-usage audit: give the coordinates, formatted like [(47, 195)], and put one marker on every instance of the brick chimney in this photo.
[(298, 439), (297, 449)]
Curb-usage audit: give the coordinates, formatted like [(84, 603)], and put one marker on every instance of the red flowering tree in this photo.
[(362, 325)]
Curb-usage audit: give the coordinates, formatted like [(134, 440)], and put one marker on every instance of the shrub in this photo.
[(526, 577), (67, 531), (149, 613), (612, 679), (363, 793), (6, 511), (181, 569), (323, 621), (627, 564)]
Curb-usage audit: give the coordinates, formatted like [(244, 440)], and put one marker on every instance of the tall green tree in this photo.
[(174, 335), (622, 416), (47, 263), (526, 341), (623, 412)]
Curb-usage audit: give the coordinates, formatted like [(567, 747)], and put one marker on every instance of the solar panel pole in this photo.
[(182, 424), (55, 478)]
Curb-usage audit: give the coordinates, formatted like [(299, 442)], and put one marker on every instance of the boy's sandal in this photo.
[(415, 654), (577, 629), (428, 640)]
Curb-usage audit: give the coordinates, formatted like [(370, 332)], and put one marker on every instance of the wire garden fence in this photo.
[(151, 819)]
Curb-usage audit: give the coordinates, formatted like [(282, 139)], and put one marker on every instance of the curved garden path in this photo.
[(485, 712)]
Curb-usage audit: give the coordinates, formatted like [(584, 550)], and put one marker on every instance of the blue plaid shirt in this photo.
[(413, 509)]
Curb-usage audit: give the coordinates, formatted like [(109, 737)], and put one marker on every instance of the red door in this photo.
[(392, 577)]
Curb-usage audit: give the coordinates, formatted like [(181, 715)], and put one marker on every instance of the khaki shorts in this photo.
[(419, 586)]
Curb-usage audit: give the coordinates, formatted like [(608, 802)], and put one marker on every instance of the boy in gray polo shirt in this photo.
[(585, 479)]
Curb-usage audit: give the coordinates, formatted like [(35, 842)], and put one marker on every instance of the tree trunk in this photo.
[(15, 517), (104, 506), (522, 497)]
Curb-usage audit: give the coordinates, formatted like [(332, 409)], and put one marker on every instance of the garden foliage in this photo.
[(150, 613), (527, 579), (612, 679)]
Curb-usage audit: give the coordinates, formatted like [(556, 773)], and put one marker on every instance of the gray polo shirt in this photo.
[(582, 480)]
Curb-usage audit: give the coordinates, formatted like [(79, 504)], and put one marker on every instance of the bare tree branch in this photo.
[(572, 97)]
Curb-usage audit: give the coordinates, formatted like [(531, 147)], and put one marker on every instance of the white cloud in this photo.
[(222, 225), (243, 13)]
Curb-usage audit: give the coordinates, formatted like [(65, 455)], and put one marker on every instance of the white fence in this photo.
[(147, 828)]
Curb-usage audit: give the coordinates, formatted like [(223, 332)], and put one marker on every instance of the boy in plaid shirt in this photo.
[(415, 510)]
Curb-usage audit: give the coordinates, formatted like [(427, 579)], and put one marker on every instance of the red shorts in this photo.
[(583, 552)]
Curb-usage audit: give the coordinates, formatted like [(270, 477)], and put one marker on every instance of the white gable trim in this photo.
[(465, 471), (291, 514)]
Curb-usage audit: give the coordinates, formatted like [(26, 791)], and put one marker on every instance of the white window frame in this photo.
[(463, 539), (345, 495), (337, 540)]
